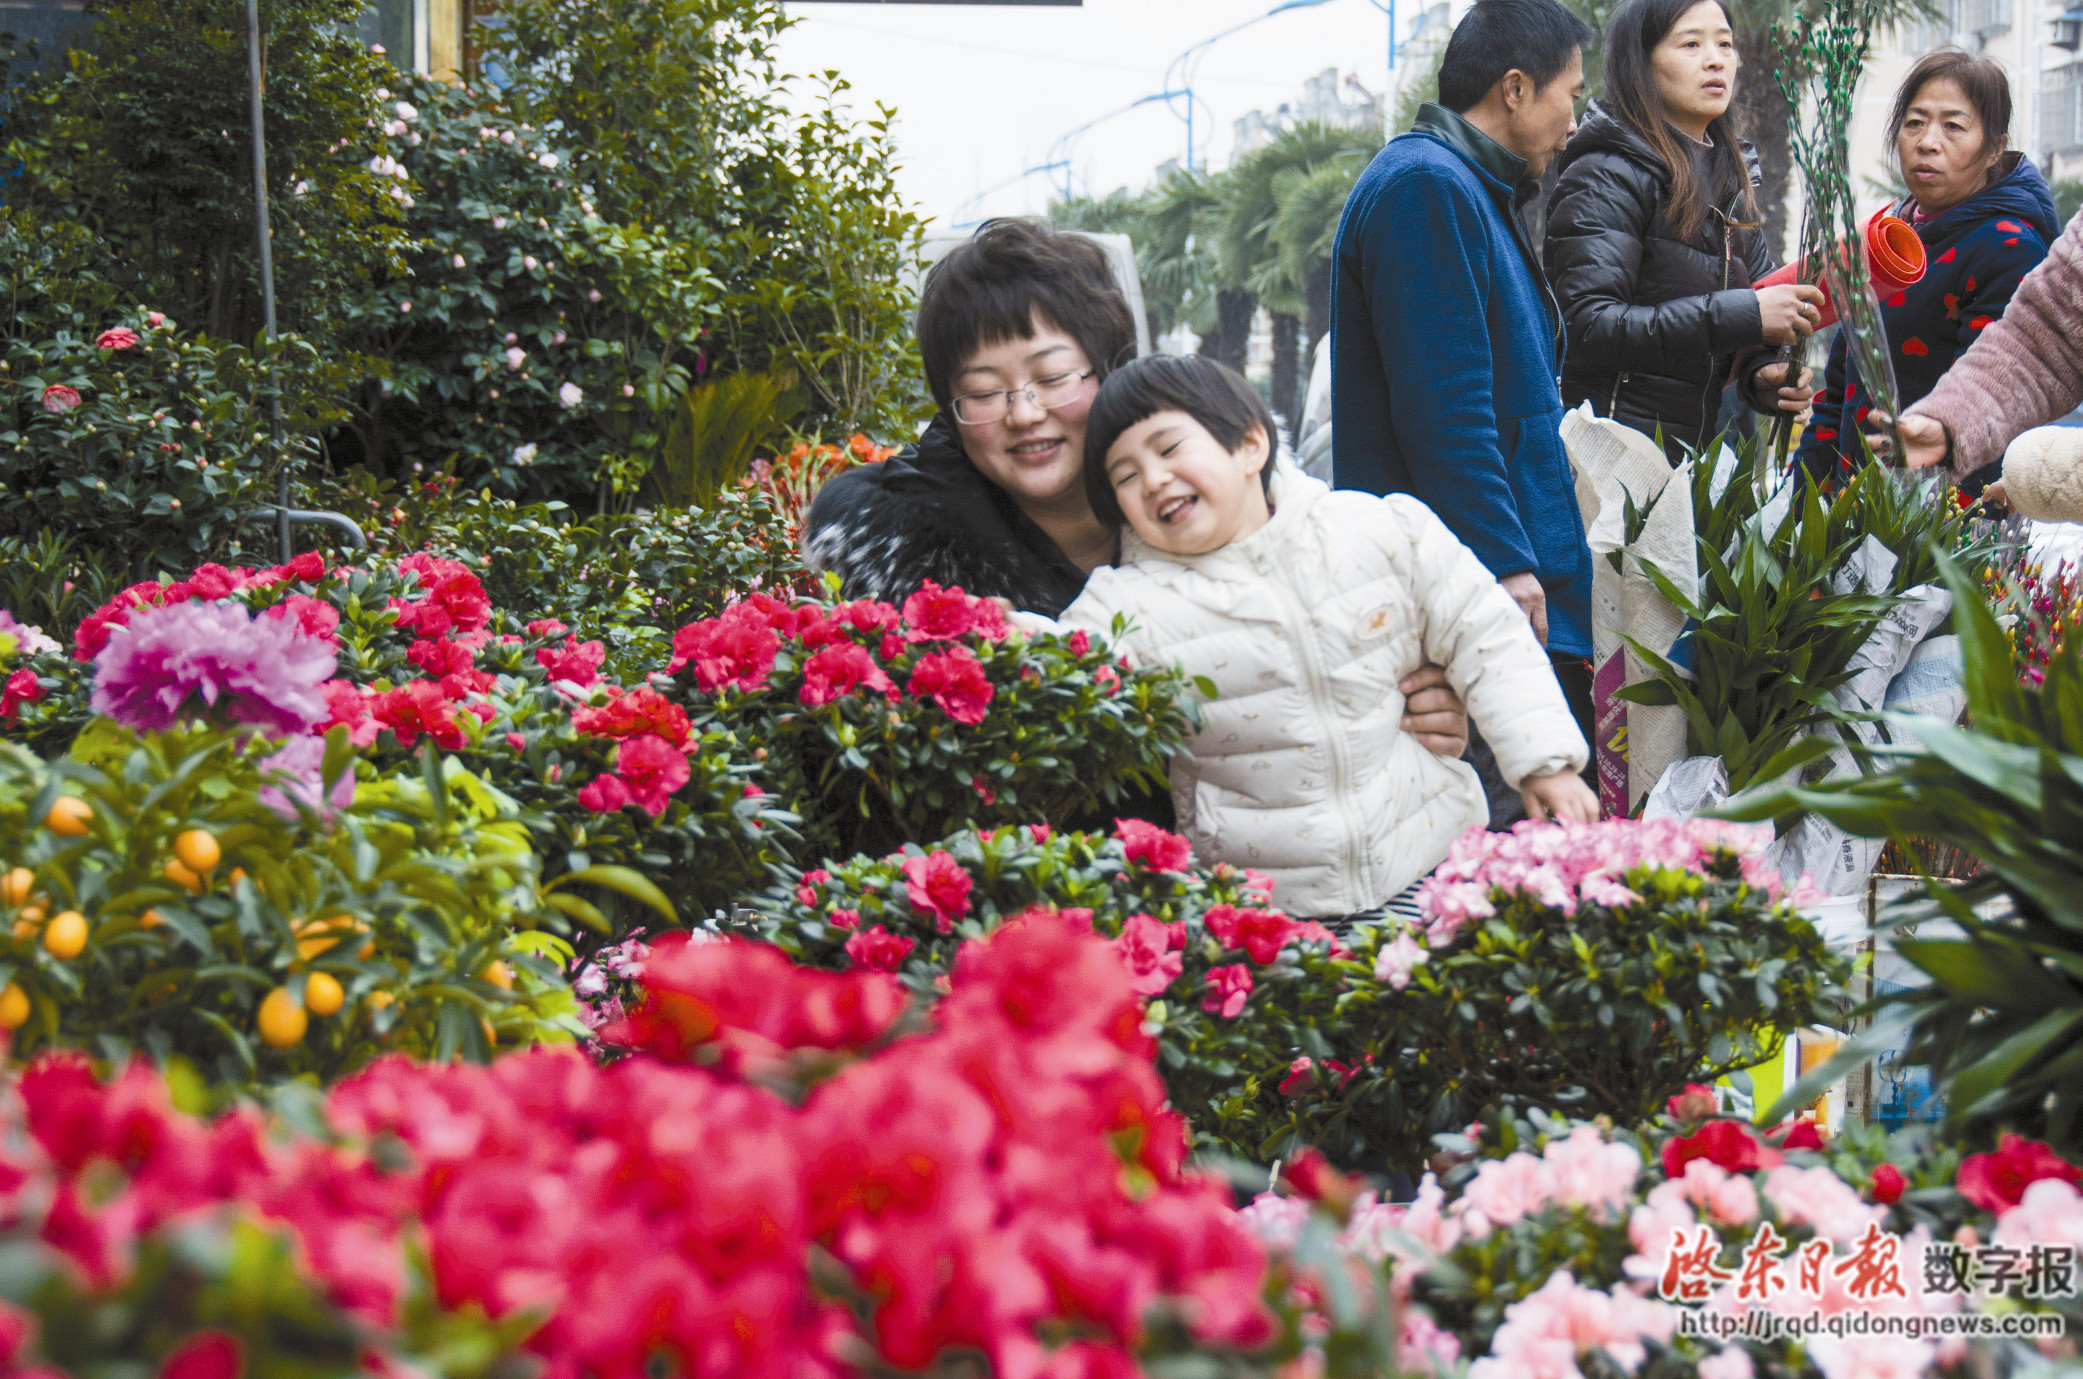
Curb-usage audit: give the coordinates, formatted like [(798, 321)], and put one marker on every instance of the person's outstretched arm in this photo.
[(2025, 370)]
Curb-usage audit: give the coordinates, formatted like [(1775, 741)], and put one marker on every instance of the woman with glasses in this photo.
[(1016, 328)]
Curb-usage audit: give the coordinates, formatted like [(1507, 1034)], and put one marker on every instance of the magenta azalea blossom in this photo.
[(266, 671)]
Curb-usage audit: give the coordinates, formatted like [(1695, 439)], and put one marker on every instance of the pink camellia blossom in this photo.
[(58, 399), (1696, 1102), (1147, 845), (265, 671), (1397, 959), (1229, 987), (1145, 949), (936, 885), (116, 338), (155, 319), (878, 949), (833, 672), (955, 681)]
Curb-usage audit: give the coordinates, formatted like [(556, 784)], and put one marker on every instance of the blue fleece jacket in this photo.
[(1976, 254), (1445, 353)]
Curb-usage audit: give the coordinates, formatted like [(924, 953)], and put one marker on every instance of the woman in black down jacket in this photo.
[(1654, 240)]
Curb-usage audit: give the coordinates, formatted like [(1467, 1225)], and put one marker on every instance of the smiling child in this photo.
[(1304, 607)]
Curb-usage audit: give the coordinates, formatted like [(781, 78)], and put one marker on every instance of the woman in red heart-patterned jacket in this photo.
[(1986, 219)]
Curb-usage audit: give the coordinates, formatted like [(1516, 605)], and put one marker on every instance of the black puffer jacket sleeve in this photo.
[(1598, 223)]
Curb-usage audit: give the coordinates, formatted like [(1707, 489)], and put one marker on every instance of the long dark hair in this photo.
[(1631, 36)]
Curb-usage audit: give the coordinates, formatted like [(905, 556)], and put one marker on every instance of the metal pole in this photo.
[(267, 268)]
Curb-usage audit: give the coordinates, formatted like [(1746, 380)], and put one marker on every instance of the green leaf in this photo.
[(625, 881)]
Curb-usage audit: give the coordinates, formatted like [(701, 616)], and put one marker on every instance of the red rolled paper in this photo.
[(1894, 258)]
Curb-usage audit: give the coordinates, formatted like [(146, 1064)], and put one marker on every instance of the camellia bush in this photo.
[(1591, 968), (885, 725)]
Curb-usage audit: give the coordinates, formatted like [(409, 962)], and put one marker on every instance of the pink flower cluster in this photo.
[(1009, 1183), (1546, 1333), (208, 583), (1581, 1170), (259, 670), (1564, 865), (861, 647)]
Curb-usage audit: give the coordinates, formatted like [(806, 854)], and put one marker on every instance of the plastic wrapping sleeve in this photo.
[(1894, 256)]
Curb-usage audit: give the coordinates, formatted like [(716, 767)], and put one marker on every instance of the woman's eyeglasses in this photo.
[(978, 409)]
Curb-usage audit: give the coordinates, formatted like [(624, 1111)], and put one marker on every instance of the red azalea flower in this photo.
[(1799, 1134), (871, 616), (1726, 1143), (1996, 1182), (1080, 643), (22, 688), (605, 793), (1260, 933), (937, 885), (347, 705), (653, 769), (317, 617), (806, 889), (441, 657), (547, 627), (575, 662), (837, 671), (1146, 951), (956, 681), (845, 919), (205, 1355), (415, 708), (735, 650), (878, 949), (115, 338), (92, 634), (1228, 989), (632, 713), (1147, 845), (934, 614), (1888, 1184)]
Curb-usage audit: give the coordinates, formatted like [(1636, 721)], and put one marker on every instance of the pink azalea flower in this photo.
[(1229, 987), (1506, 1190), (835, 671), (1397, 958), (956, 681), (878, 949), (1145, 949), (1818, 1198), (1590, 1171), (653, 769), (115, 338), (936, 885), (264, 671)]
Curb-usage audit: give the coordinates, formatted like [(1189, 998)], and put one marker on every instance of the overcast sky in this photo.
[(982, 92)]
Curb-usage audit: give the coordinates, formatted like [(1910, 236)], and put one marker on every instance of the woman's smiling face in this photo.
[(1032, 452)]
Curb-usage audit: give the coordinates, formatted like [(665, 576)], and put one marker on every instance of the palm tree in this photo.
[(1176, 262), (1119, 212), (1280, 213)]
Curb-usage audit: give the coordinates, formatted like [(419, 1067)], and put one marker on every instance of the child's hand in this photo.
[(1560, 796)]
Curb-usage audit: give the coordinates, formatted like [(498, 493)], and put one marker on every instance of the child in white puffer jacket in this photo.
[(1305, 607)]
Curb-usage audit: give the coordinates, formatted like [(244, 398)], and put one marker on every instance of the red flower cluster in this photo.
[(455, 599), (206, 582), (1725, 1143), (847, 650), (636, 713), (21, 688), (1261, 933), (648, 770), (936, 884), (1010, 1182), (1997, 1181)]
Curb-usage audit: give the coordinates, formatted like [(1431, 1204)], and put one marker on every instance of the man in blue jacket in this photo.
[(1446, 344)]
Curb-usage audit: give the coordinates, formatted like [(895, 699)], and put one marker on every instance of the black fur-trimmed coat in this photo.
[(885, 529)]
